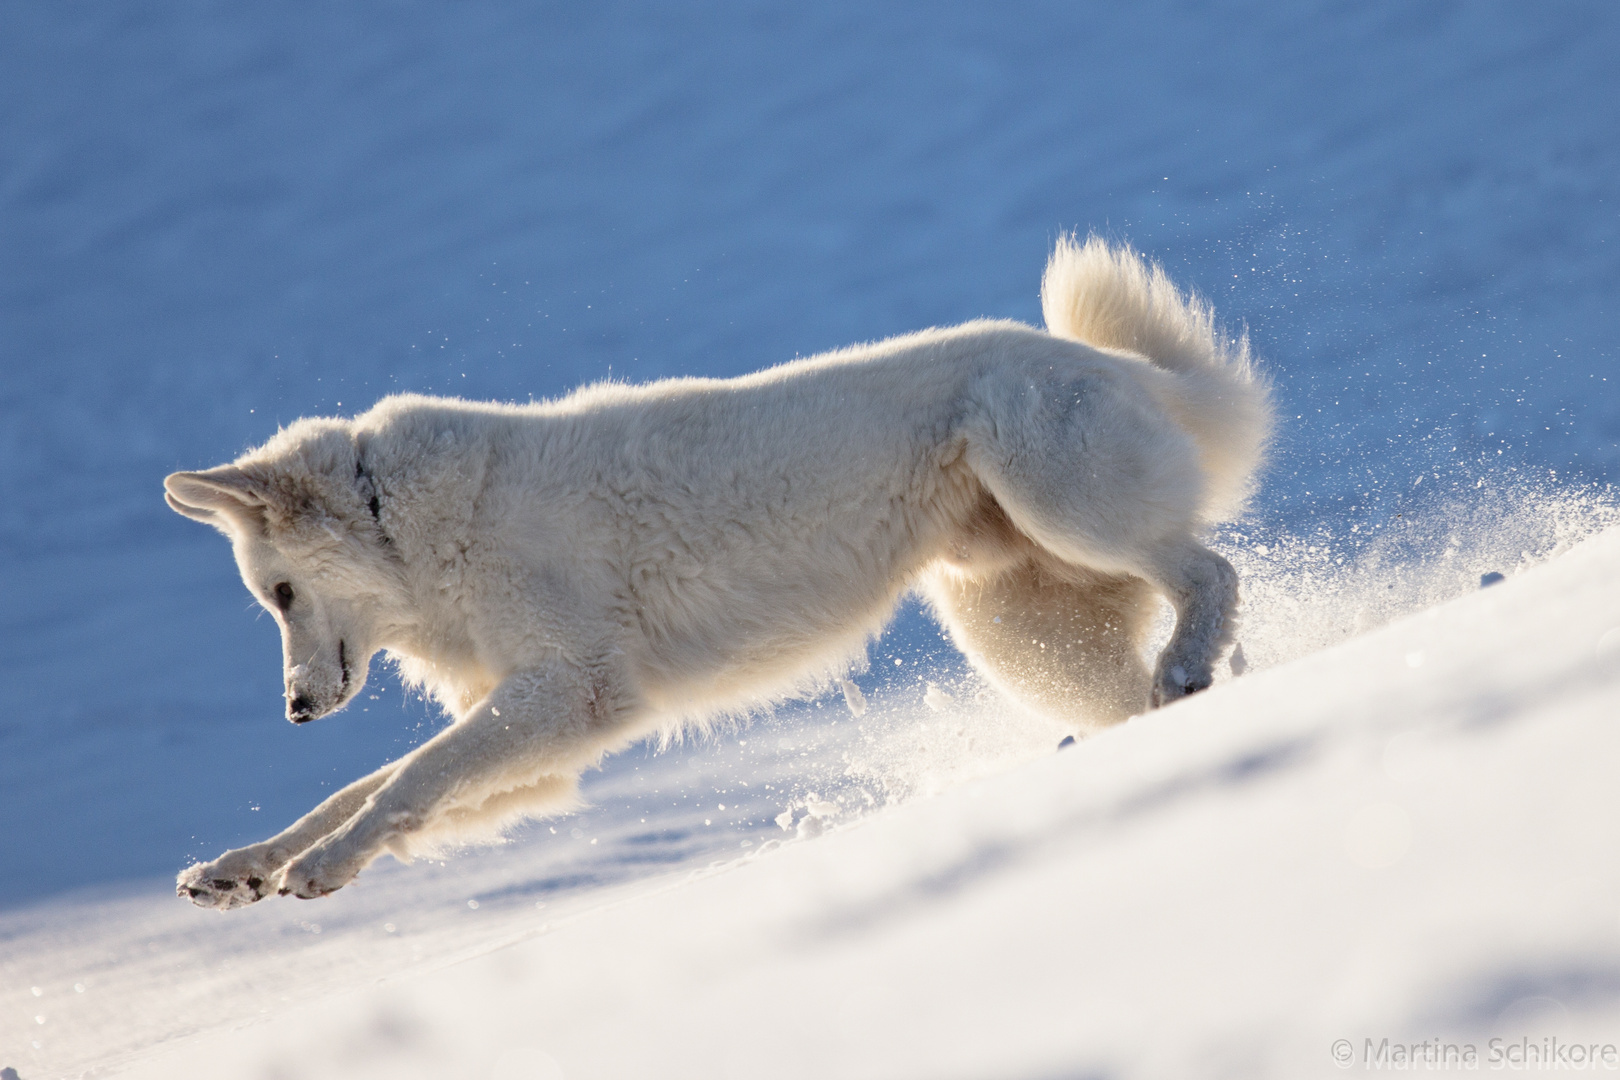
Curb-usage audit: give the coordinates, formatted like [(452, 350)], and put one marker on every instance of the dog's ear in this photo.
[(195, 513), (216, 496)]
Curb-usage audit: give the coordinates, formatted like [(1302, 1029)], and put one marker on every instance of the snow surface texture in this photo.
[(215, 218)]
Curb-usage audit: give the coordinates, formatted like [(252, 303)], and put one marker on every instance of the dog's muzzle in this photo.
[(301, 707)]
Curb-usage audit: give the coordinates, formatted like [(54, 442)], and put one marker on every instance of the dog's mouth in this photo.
[(303, 708)]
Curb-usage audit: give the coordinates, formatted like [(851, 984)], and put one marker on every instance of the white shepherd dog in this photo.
[(570, 576)]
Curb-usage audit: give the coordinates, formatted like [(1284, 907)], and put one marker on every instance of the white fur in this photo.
[(568, 577)]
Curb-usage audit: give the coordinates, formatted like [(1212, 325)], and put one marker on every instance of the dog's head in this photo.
[(303, 517)]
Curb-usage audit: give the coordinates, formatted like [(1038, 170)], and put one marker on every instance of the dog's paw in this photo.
[(1173, 682), (320, 871), (230, 881)]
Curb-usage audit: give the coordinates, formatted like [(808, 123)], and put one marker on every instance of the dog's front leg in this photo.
[(538, 725), (240, 877)]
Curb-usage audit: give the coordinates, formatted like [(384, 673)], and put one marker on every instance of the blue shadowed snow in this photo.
[(215, 218)]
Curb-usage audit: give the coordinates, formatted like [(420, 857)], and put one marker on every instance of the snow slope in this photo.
[(1409, 836)]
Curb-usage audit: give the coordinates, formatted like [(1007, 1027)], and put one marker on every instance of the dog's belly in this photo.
[(768, 613), (727, 670), (778, 625)]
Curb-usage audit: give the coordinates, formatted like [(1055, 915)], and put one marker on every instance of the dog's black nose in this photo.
[(300, 709)]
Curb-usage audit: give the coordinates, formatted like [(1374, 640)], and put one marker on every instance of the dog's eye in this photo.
[(284, 595)]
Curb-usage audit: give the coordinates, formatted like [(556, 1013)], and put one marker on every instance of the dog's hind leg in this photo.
[(240, 877), (1091, 470), (1065, 642), (1203, 588)]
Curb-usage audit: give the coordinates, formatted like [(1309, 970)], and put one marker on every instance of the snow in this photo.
[(854, 700), (215, 218)]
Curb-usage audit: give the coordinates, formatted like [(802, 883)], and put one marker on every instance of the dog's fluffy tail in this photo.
[(1111, 298)]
